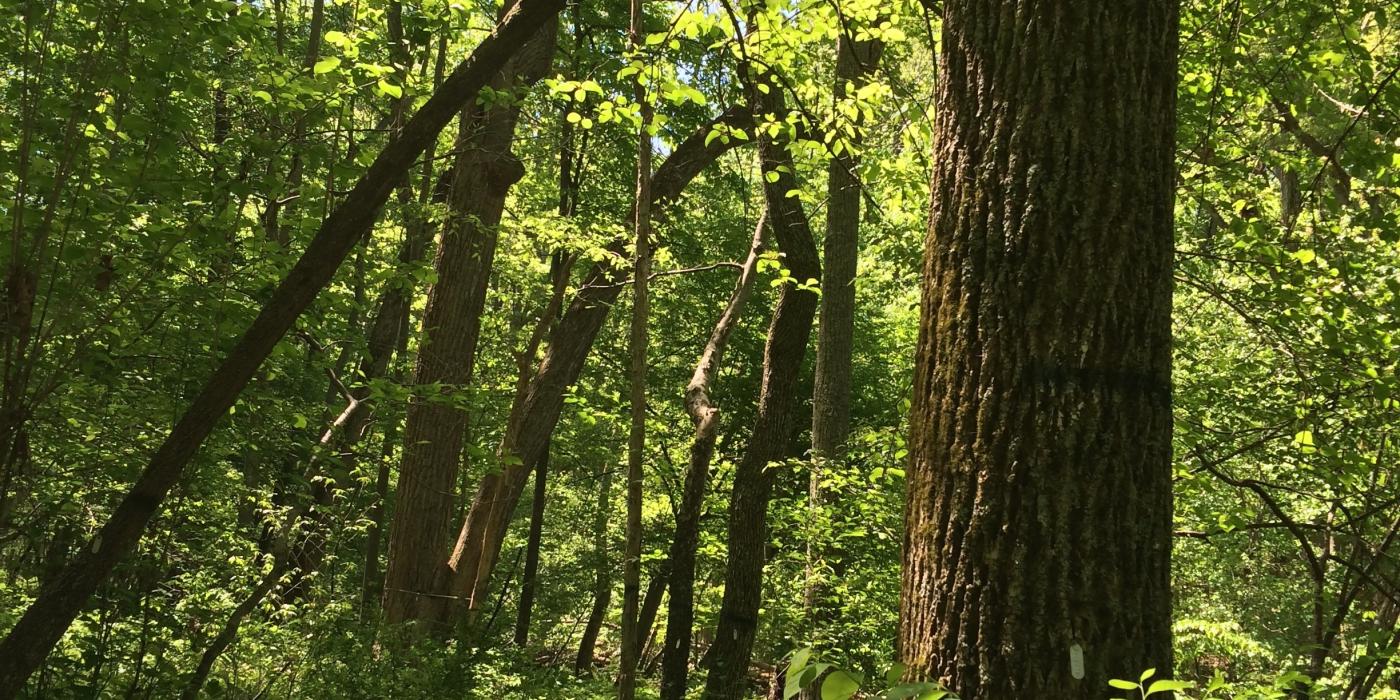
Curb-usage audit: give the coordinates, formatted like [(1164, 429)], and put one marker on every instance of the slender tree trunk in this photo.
[(537, 412), (272, 226), (532, 555), (372, 584), (303, 534), (831, 392), (372, 581), (651, 604), (778, 410), (229, 632), (602, 573), (45, 621), (636, 438), (416, 580), (680, 612), (1038, 524)]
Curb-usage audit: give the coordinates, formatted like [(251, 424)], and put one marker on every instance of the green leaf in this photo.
[(1305, 256), (799, 660), (1166, 686), (390, 89), (1146, 675), (895, 673), (326, 65), (1123, 685), (839, 686), (1304, 441)]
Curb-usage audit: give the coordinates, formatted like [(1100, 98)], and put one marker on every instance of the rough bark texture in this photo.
[(602, 574), (680, 612), (416, 582), (1039, 508), (30, 640), (532, 555), (479, 542), (831, 390), (777, 416)]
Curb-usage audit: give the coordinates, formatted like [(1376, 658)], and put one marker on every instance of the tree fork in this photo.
[(783, 353), (533, 421), (680, 611)]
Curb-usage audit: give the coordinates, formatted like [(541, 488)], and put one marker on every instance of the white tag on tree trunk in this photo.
[(1076, 661)]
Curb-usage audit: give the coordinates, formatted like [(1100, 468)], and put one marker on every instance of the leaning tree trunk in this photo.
[(299, 543), (680, 612), (420, 537), (45, 621), (778, 412), (1038, 523), (533, 420)]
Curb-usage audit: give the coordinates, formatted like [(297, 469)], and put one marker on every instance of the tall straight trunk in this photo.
[(602, 573), (778, 409), (416, 579), (537, 410), (532, 555), (637, 379), (680, 612), (831, 390), (1038, 522), (46, 619)]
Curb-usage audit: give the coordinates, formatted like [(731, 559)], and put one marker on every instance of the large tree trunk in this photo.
[(778, 412), (680, 612), (1039, 511), (45, 621), (537, 412), (831, 391), (416, 582)]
